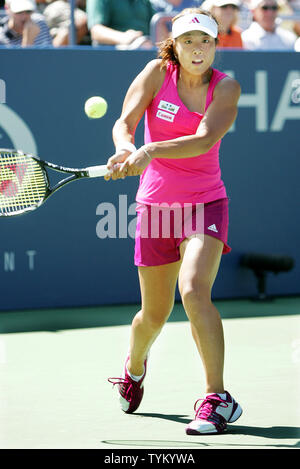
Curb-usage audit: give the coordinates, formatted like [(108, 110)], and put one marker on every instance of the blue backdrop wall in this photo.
[(78, 248)]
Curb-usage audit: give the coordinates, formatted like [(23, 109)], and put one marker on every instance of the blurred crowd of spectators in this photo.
[(136, 24)]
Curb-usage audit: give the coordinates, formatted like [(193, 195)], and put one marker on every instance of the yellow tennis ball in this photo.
[(95, 107)]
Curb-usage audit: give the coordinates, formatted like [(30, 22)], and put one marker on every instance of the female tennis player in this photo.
[(189, 106)]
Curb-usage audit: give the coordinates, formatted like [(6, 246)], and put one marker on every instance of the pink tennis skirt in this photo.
[(161, 229)]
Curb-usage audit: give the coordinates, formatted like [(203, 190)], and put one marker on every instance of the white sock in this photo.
[(222, 395), (135, 377)]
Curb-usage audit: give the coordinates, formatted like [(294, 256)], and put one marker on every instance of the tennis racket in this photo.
[(25, 184)]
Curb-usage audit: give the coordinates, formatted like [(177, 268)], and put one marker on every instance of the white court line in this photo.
[(296, 351), (3, 358)]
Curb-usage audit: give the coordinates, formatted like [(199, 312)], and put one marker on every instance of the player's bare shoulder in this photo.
[(228, 89), (155, 74), (154, 66)]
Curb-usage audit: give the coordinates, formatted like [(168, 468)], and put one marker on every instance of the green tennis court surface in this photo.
[(54, 367)]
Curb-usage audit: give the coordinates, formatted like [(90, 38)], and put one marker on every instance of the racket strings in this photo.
[(23, 184)]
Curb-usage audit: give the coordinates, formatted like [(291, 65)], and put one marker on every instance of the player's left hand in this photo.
[(134, 165)]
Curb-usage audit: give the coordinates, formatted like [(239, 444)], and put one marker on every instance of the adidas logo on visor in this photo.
[(192, 22)]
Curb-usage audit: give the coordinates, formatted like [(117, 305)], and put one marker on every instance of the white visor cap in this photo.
[(194, 22)]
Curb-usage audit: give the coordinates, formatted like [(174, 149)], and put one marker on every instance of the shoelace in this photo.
[(123, 381), (207, 410)]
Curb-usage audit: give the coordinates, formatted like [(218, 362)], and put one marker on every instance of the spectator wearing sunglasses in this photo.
[(264, 33), (227, 14)]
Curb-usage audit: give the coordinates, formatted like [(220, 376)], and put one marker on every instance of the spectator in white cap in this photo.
[(264, 32), (22, 27), (227, 14)]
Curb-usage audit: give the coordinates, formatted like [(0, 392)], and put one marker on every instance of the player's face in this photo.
[(195, 51)]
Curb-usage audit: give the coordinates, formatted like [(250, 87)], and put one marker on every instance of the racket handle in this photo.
[(97, 171)]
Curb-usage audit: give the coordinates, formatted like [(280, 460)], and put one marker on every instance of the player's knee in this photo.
[(156, 318), (195, 298)]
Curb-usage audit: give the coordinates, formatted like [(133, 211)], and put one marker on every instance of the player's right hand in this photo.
[(114, 162)]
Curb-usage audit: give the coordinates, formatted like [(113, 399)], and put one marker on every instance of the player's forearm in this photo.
[(105, 35), (182, 147), (122, 133)]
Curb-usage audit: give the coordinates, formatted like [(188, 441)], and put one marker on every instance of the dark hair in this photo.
[(166, 48)]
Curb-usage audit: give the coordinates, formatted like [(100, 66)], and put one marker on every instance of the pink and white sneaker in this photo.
[(213, 414), (131, 391)]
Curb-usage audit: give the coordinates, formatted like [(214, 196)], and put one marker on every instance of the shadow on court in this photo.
[(279, 432), (272, 433), (172, 418), (55, 320), (266, 432)]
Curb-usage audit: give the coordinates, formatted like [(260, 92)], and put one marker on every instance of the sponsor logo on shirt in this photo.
[(165, 116), (165, 106)]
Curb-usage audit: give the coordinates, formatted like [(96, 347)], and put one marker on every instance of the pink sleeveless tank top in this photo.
[(184, 180)]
